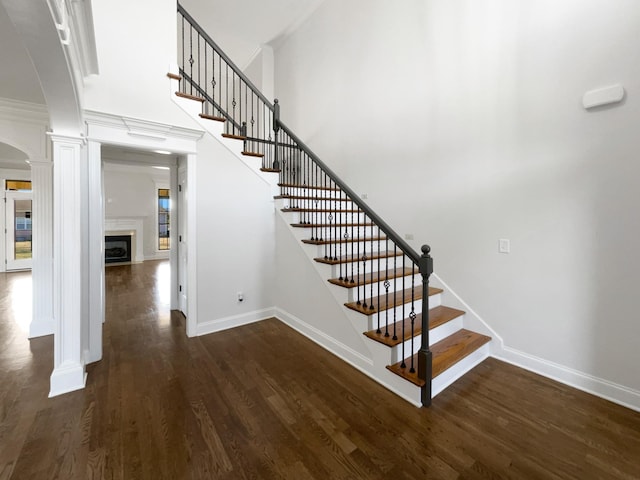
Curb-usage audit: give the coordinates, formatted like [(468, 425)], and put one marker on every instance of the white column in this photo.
[(96, 252), (68, 362), (42, 265)]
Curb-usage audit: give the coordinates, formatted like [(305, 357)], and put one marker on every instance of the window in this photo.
[(19, 185), (164, 207)]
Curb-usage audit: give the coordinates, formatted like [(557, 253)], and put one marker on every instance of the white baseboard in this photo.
[(157, 256), (625, 396), (339, 349), (233, 321)]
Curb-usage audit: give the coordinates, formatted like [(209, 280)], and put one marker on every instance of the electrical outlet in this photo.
[(364, 196), (504, 245), (408, 236)]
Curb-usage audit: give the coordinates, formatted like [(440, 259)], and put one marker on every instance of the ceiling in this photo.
[(240, 27), (18, 77)]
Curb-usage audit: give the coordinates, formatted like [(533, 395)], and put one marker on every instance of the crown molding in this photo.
[(24, 111)]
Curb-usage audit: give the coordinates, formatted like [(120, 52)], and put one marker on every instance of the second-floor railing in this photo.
[(390, 279)]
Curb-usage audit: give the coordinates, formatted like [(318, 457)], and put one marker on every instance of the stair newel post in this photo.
[(425, 361), (276, 129)]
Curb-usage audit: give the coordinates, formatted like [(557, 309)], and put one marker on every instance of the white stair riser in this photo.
[(336, 271), (364, 291), (372, 320), (323, 204), (359, 249), (323, 217), (435, 335), (456, 371), (314, 193), (336, 232)]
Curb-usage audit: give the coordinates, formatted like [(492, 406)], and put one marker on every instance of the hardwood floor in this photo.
[(263, 402)]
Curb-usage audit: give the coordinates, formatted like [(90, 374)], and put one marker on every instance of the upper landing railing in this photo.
[(356, 238)]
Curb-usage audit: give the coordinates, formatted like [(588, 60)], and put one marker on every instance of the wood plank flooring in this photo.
[(263, 402)]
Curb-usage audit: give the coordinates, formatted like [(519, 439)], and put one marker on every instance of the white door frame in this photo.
[(183, 235), (109, 129)]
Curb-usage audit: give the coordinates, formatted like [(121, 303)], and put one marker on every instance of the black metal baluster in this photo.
[(182, 83), (387, 284), (378, 282), (327, 246), (226, 77), (412, 316), (191, 57), (395, 290), (199, 61), (353, 239), (339, 239), (213, 80), (371, 269), (404, 337)]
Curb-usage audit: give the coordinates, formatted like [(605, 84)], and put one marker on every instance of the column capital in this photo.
[(40, 162), (77, 139)]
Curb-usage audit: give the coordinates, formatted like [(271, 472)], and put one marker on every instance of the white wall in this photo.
[(131, 191), (136, 44), (236, 240), (462, 121)]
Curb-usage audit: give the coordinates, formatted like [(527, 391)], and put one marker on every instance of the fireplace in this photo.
[(117, 248)]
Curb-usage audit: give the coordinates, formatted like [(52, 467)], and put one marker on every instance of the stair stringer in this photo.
[(216, 129), (472, 320), (368, 356)]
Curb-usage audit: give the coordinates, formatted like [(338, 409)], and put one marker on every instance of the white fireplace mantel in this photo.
[(133, 226)]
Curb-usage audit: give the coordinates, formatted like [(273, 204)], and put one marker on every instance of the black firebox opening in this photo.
[(117, 248)]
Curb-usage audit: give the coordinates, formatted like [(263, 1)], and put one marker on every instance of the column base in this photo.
[(40, 329), (67, 378)]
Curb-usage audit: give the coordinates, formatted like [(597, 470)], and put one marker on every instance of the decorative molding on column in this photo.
[(42, 268), (66, 138), (96, 252), (69, 372)]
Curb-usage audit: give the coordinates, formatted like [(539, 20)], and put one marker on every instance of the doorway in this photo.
[(18, 228)]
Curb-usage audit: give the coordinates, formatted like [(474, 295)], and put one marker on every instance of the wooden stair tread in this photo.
[(234, 137), (446, 353), (174, 76), (357, 258), (437, 316), (212, 117), (312, 187), (395, 299), (190, 97), (270, 170), (330, 225), (372, 277), (342, 240), (319, 210), (253, 154)]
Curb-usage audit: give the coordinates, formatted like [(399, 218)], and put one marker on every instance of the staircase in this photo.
[(382, 281)]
